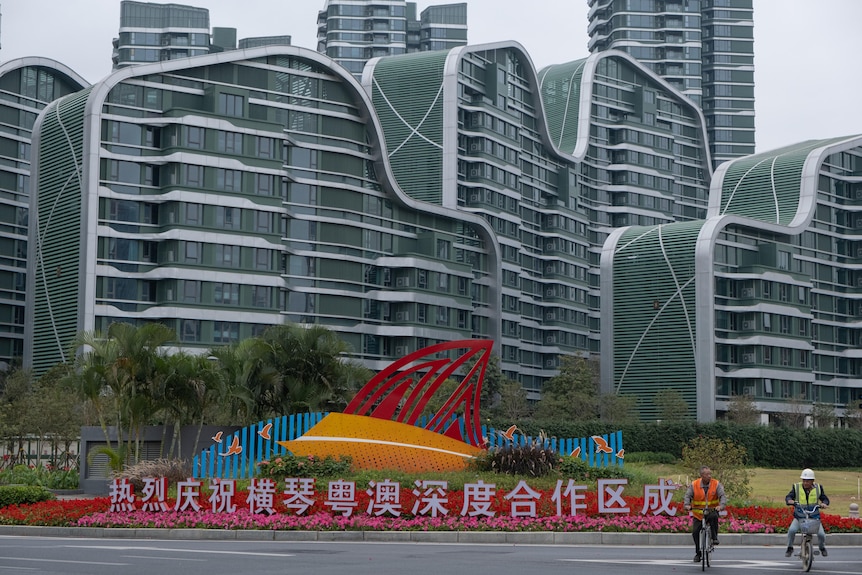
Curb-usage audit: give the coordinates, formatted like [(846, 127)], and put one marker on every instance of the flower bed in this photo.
[(95, 513)]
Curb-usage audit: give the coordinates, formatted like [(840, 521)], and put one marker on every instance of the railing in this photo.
[(219, 460)]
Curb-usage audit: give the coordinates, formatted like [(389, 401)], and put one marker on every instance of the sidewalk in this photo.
[(777, 540)]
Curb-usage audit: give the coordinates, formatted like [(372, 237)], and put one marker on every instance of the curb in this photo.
[(472, 537)]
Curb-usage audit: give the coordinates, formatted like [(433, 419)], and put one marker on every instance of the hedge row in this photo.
[(23, 494), (767, 446)]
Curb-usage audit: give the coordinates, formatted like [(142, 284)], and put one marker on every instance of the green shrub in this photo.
[(651, 457), (40, 476), (292, 466), (23, 494), (579, 470)]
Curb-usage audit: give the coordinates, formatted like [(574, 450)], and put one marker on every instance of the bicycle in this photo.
[(808, 528), (706, 537)]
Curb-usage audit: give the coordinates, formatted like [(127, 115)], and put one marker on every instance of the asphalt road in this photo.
[(73, 556)]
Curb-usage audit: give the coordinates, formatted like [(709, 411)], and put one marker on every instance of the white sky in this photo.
[(806, 85)]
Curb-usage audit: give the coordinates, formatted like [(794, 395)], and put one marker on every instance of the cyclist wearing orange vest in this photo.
[(704, 492), (807, 494)]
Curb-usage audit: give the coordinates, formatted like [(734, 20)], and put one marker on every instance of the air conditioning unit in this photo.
[(550, 291), (550, 363), (169, 294), (551, 339), (748, 390), (474, 198), (402, 282), (748, 325), (402, 316), (550, 246), (748, 292), (550, 315), (401, 350), (747, 358), (474, 173), (475, 146), (170, 255)]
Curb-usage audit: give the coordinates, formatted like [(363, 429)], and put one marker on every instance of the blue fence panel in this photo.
[(214, 461)]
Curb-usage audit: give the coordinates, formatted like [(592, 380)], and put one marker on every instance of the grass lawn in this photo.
[(769, 486)]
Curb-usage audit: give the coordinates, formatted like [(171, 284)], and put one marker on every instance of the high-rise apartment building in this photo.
[(704, 48), (473, 204), (352, 32), (151, 32), (27, 85), (761, 299)]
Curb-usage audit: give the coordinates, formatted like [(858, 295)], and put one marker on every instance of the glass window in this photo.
[(225, 331), (230, 105), (191, 291), (262, 258), (193, 252), (227, 294), (227, 255), (229, 142), (191, 330)]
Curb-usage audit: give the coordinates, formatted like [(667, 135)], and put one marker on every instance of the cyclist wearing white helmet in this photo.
[(807, 494)]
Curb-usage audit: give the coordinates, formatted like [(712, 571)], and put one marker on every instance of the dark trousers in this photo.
[(696, 528)]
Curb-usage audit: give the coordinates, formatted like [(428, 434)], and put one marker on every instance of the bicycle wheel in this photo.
[(806, 554), (704, 547)]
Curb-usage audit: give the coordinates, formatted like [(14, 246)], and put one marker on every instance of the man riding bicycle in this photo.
[(807, 494), (704, 492)]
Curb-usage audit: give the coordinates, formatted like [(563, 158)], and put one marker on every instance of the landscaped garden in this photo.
[(504, 512)]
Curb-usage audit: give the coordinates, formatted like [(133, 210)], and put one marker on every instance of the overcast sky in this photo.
[(807, 84)]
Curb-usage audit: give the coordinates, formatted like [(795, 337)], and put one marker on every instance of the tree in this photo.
[(617, 409), (116, 373), (573, 393), (853, 414), (671, 405), (309, 360), (512, 404), (823, 414), (726, 459), (742, 410)]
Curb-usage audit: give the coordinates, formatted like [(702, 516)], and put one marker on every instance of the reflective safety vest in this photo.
[(701, 499), (807, 500)]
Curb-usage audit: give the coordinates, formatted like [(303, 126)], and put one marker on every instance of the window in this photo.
[(423, 279), (422, 313), (785, 324), (194, 137), (442, 315), (230, 142), (191, 291), (230, 105), (193, 252), (227, 255), (263, 223), (264, 184), (227, 218), (783, 260), (194, 175), (260, 296), (229, 180), (191, 330), (262, 259), (265, 148), (225, 331), (193, 214), (226, 294)]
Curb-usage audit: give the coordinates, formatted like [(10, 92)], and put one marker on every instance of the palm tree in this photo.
[(250, 382), (117, 373), (310, 362)]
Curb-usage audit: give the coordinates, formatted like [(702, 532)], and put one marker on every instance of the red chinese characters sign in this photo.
[(299, 495)]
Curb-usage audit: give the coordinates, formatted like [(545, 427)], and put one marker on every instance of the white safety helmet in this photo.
[(807, 474)]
